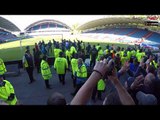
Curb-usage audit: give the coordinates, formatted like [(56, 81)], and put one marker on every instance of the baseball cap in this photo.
[(146, 99)]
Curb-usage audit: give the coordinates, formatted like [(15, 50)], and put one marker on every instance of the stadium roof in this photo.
[(8, 25), (46, 21), (110, 20), (20, 22)]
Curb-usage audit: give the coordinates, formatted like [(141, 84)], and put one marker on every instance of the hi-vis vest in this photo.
[(82, 72), (2, 67), (5, 92), (56, 52), (68, 54), (139, 56), (45, 70), (30, 60), (154, 63), (25, 62), (60, 64), (74, 64), (101, 85), (100, 53), (73, 50)]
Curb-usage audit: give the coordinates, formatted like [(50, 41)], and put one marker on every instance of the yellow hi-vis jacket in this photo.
[(123, 60), (100, 53), (154, 63), (73, 50), (97, 46), (25, 63), (82, 72), (133, 53), (2, 67), (45, 70), (139, 56), (5, 92), (61, 65), (101, 85), (68, 54), (74, 64), (129, 54), (121, 53), (56, 52)]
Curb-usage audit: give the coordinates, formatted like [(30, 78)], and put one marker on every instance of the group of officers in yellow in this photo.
[(7, 94), (78, 67)]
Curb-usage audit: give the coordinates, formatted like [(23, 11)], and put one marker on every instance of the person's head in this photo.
[(150, 69), (151, 57), (75, 56), (27, 47), (61, 54), (148, 81), (1, 78), (131, 60), (34, 49), (129, 82), (80, 61), (140, 50), (146, 99), (117, 55), (112, 99), (56, 99), (44, 57), (125, 55), (27, 51), (99, 48), (101, 58)]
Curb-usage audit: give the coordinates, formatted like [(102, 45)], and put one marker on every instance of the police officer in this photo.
[(93, 56), (81, 75), (61, 66), (46, 72), (2, 68), (68, 56), (7, 93), (74, 66), (28, 64)]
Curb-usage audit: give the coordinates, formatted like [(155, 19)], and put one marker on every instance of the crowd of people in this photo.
[(93, 69)]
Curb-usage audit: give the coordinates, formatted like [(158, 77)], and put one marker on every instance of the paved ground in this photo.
[(36, 93)]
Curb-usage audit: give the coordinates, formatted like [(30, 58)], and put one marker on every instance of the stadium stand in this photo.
[(7, 36), (129, 32), (47, 27)]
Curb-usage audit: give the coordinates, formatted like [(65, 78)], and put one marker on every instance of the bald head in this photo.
[(56, 99), (80, 61), (149, 78)]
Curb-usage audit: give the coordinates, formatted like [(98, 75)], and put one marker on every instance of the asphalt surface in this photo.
[(36, 93)]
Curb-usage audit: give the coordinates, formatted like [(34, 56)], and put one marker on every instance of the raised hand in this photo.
[(138, 82), (101, 66)]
